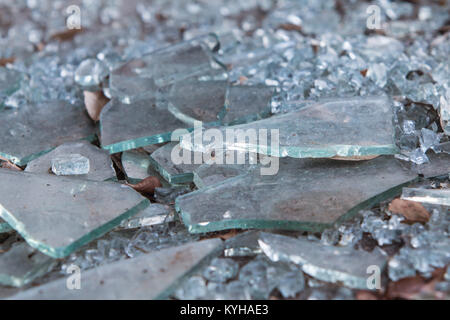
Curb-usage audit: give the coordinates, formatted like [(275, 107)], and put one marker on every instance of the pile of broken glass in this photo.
[(284, 127)]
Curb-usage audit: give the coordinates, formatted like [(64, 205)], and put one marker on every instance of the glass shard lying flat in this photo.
[(243, 245), (162, 161), (136, 165), (155, 213), (149, 276), (21, 264), (203, 101), (439, 165), (57, 215), (209, 174), (327, 263), (4, 227), (35, 129), (124, 127), (100, 164), (141, 78), (305, 194), (247, 103), (339, 128), (432, 196)]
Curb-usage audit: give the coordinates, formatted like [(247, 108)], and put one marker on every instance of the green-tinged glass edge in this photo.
[(171, 178), (38, 271), (62, 252)]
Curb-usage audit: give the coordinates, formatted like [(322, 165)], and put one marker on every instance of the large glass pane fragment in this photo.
[(35, 129), (431, 196), (336, 128), (149, 276), (305, 194), (327, 263), (21, 264), (57, 215), (100, 164), (124, 127), (145, 76)]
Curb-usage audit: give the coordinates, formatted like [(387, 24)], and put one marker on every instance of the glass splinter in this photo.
[(307, 194), (327, 263), (431, 196), (58, 215), (100, 164), (155, 213), (124, 127), (21, 264), (149, 276), (33, 130), (340, 128)]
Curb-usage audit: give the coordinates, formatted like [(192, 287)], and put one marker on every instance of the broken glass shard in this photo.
[(444, 107), (155, 213), (33, 130), (124, 127), (100, 166), (311, 194), (339, 128), (243, 245), (221, 270), (149, 276), (291, 284), (58, 215), (432, 196), (174, 171), (21, 264), (136, 165), (439, 165), (209, 174), (70, 164), (247, 103), (204, 101), (327, 263), (9, 83), (142, 77), (90, 72)]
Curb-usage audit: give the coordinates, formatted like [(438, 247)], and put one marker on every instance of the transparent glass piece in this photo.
[(141, 78), (90, 72), (327, 263), (291, 284), (310, 194), (33, 130), (438, 165), (444, 107), (247, 103), (70, 164), (136, 165), (154, 214), (243, 245), (221, 270), (204, 101), (58, 215), (124, 127), (192, 289), (149, 276), (100, 164), (432, 196), (163, 162), (21, 264), (340, 128), (9, 83)]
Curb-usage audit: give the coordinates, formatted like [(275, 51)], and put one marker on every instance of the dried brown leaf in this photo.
[(11, 166), (411, 210), (147, 186), (66, 35), (5, 61), (366, 295), (94, 103)]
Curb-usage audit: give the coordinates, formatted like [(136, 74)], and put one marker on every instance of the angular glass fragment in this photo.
[(141, 78), (136, 165), (291, 284), (339, 128), (100, 164), (163, 161), (33, 130), (4, 227), (204, 101), (149, 276), (327, 263), (243, 245), (90, 72), (221, 269), (206, 174), (70, 164), (194, 288), (439, 165), (58, 215), (311, 194), (247, 103), (9, 82), (154, 214), (21, 264), (432, 196), (124, 127)]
